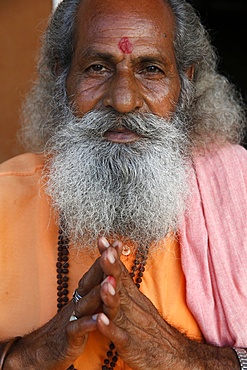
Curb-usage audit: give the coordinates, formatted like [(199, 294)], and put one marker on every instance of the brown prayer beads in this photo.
[(62, 266)]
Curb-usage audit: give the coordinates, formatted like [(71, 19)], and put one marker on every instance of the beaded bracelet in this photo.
[(9, 344)]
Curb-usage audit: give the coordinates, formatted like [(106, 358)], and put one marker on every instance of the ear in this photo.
[(190, 72)]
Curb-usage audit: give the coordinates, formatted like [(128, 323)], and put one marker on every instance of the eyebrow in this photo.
[(152, 59), (91, 53)]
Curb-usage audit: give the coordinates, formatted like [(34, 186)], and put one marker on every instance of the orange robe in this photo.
[(28, 253)]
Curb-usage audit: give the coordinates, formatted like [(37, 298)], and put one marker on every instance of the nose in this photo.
[(123, 94)]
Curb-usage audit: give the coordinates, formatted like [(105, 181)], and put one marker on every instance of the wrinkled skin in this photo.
[(142, 337), (113, 304), (143, 77), (60, 342), (102, 76)]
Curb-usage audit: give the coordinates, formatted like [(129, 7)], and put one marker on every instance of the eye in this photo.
[(152, 69), (96, 68)]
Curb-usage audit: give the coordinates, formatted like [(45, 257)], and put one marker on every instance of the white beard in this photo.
[(136, 191)]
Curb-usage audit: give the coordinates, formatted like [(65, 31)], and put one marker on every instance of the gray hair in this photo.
[(215, 108)]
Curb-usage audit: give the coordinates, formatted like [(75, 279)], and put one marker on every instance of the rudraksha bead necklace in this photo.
[(62, 266), (62, 273)]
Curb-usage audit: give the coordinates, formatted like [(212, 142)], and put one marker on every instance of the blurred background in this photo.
[(23, 21), (21, 25)]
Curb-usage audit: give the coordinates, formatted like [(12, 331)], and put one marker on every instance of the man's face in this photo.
[(124, 60), (119, 169)]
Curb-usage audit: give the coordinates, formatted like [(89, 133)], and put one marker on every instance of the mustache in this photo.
[(94, 124), (146, 125)]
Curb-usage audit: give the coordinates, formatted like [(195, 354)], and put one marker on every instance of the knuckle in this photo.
[(120, 320)]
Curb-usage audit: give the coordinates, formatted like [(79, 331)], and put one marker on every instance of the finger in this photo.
[(123, 310), (135, 346), (89, 304), (114, 268), (117, 335), (114, 302), (133, 302), (116, 271), (118, 246), (111, 301), (110, 263), (120, 306), (141, 301), (104, 244), (110, 279), (90, 279), (78, 330)]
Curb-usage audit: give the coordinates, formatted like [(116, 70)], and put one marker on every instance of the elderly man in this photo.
[(135, 199)]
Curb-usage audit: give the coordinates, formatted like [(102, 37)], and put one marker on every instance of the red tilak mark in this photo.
[(125, 45)]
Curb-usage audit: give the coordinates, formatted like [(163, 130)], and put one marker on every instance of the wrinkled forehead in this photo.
[(121, 18)]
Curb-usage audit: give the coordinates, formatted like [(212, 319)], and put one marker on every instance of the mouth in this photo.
[(121, 134)]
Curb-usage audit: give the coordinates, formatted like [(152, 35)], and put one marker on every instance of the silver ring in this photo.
[(76, 296), (73, 317)]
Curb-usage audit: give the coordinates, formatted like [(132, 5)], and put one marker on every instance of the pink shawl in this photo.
[(214, 246)]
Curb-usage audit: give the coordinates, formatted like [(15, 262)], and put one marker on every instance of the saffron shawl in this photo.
[(213, 241)]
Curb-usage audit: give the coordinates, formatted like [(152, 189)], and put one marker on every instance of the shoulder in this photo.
[(222, 172), (20, 180), (227, 158), (22, 165)]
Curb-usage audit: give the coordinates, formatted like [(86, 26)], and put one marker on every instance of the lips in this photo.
[(121, 134)]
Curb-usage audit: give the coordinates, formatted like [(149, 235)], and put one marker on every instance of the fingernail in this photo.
[(111, 257), (111, 290), (104, 319), (106, 280), (109, 279), (94, 317), (105, 242)]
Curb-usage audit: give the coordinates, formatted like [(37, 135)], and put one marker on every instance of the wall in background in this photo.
[(21, 25), (226, 21)]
